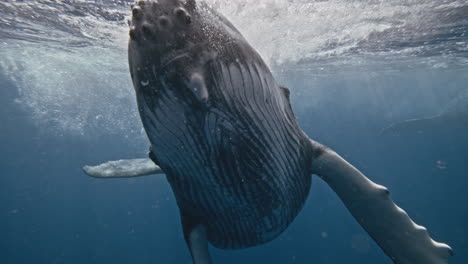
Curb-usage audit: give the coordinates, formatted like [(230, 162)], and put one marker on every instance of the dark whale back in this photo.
[(238, 163)]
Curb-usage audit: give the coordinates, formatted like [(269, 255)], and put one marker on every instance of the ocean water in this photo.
[(353, 68)]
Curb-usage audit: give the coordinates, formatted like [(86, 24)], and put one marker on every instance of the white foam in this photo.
[(67, 91), (291, 30)]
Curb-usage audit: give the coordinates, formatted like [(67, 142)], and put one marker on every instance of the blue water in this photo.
[(66, 101)]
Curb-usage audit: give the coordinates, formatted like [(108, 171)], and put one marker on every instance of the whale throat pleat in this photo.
[(241, 166)]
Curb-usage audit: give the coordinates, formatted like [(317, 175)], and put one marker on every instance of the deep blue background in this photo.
[(50, 212)]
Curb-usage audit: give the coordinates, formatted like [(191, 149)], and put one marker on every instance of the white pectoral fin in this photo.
[(400, 238), (123, 169)]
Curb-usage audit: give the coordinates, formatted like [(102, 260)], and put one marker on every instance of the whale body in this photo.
[(223, 132)]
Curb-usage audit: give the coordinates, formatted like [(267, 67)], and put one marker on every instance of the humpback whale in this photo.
[(223, 133)]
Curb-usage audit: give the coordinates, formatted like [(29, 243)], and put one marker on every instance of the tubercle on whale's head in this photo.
[(160, 31), (173, 44), (158, 22), (169, 28)]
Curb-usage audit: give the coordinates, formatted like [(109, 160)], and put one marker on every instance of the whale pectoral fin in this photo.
[(400, 238), (123, 169), (195, 235)]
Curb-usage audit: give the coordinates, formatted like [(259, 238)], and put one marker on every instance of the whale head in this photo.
[(173, 44), (163, 30), (162, 25)]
